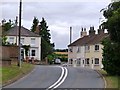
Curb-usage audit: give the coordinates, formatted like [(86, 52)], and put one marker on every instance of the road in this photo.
[(59, 77)]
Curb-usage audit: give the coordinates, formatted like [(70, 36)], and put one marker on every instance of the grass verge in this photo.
[(111, 81), (13, 72)]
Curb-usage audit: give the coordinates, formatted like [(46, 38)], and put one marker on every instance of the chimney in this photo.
[(37, 31), (100, 30), (83, 32), (91, 31)]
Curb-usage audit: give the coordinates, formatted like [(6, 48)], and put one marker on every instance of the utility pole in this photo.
[(19, 62), (16, 22), (70, 35)]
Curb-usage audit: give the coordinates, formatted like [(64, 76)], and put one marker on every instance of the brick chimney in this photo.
[(83, 32), (37, 31), (100, 30), (91, 31)]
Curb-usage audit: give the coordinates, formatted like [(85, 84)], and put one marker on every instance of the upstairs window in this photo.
[(78, 49), (96, 47), (87, 48), (32, 41), (22, 40), (11, 40), (70, 49)]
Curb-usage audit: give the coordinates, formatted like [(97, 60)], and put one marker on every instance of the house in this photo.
[(27, 38), (87, 50)]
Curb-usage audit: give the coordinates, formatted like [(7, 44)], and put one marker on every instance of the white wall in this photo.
[(27, 41)]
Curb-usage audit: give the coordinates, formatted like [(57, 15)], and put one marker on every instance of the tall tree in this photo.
[(111, 50), (47, 47), (35, 24)]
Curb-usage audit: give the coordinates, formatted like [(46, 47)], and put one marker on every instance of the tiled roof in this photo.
[(24, 32), (89, 40)]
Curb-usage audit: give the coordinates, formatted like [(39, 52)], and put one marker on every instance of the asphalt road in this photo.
[(59, 77)]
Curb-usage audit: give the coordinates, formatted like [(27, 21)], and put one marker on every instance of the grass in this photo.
[(14, 72), (111, 81)]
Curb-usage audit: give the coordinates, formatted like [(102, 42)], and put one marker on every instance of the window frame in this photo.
[(33, 54), (98, 62)]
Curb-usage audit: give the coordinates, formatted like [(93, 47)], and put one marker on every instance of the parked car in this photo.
[(57, 61)]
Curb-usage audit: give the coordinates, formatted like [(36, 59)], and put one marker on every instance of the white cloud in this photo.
[(59, 14)]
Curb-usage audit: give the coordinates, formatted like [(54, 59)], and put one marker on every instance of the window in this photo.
[(78, 50), (22, 40), (70, 49), (11, 40), (96, 47), (96, 60), (33, 41), (33, 53), (87, 61), (87, 48)]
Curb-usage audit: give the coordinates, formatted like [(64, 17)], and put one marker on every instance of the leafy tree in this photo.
[(7, 25), (111, 57), (111, 50), (112, 14), (35, 24)]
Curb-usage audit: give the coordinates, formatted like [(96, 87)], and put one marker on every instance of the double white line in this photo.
[(61, 79)]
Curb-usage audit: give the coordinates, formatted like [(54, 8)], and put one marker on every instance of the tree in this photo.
[(47, 47), (112, 14), (35, 24), (7, 25), (111, 57), (111, 50)]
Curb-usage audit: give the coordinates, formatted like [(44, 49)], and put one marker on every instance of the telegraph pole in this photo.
[(19, 62), (70, 35)]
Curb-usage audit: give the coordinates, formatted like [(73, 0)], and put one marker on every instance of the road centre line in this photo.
[(61, 79), (66, 73)]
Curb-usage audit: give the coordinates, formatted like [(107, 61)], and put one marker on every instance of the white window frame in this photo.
[(87, 61), (32, 52), (97, 47), (11, 40), (33, 41), (87, 48), (22, 40), (78, 49), (97, 62)]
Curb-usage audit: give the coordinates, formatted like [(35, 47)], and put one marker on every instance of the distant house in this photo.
[(87, 50), (27, 38)]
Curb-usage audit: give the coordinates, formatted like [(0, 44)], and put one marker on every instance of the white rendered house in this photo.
[(27, 38)]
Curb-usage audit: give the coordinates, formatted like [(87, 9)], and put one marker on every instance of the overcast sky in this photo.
[(59, 14)]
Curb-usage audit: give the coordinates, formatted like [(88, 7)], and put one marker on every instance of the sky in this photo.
[(60, 15)]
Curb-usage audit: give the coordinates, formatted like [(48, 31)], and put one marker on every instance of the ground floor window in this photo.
[(96, 60), (33, 52), (87, 61)]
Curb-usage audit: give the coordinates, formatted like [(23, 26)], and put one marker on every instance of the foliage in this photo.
[(6, 25), (112, 14), (35, 24), (111, 58), (26, 47), (47, 47), (111, 50), (44, 32), (4, 40)]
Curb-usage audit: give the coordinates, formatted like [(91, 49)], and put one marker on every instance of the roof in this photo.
[(24, 32), (89, 40)]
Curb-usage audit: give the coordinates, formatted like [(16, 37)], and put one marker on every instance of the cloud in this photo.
[(59, 14)]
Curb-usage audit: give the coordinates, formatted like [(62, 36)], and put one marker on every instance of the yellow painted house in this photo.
[(87, 50)]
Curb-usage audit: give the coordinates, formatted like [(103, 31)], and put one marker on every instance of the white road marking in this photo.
[(61, 79)]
